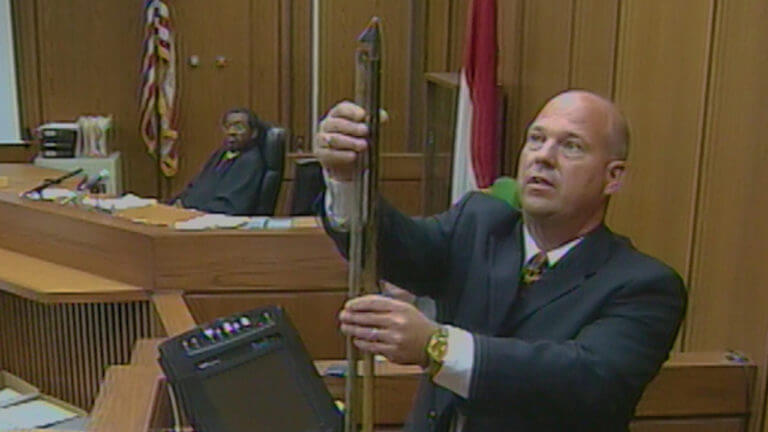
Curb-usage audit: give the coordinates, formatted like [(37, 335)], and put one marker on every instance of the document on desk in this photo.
[(32, 415), (127, 201), (211, 221), (7, 395)]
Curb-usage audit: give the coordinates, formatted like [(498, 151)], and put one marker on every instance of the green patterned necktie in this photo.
[(534, 268)]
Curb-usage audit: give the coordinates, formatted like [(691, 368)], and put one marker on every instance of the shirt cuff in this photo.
[(338, 202), (456, 372)]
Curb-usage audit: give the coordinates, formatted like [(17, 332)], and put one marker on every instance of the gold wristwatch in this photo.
[(437, 347)]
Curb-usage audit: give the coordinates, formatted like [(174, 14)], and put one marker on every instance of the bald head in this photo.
[(597, 113)]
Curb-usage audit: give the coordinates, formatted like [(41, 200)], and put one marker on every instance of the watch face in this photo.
[(438, 345)]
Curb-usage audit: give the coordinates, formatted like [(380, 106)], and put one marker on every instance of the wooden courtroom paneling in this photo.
[(64, 348), (89, 57), (660, 80), (21, 153), (313, 315), (127, 399), (173, 312), (459, 16), (437, 33), (545, 60), (510, 29), (729, 277), (206, 91), (341, 22), (266, 45), (75, 238), (25, 34), (301, 75), (593, 45), (299, 259)]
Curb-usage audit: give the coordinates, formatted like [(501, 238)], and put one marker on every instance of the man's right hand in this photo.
[(341, 137)]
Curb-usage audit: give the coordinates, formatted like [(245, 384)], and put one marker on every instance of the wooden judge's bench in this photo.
[(85, 297)]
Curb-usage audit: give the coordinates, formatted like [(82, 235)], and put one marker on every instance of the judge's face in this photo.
[(237, 131), (567, 167)]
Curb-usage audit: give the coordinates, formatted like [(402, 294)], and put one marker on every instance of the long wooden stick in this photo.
[(363, 271)]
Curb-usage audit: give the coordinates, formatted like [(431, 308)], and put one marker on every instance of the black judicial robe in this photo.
[(572, 352), (228, 186)]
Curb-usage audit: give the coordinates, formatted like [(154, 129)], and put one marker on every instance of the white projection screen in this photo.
[(10, 132)]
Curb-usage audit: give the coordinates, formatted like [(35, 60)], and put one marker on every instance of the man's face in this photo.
[(566, 166), (237, 131)]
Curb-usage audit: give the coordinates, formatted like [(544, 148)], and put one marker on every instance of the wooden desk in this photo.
[(694, 392), (78, 287), (158, 258)]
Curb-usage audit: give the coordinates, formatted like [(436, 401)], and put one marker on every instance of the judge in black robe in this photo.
[(231, 180)]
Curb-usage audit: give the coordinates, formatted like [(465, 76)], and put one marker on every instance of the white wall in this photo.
[(9, 110)]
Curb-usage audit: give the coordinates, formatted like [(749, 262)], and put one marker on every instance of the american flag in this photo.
[(158, 90)]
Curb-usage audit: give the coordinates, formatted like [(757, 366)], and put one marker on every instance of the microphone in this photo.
[(51, 182), (94, 184)]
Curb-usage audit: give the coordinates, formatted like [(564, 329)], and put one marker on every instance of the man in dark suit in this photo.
[(547, 321)]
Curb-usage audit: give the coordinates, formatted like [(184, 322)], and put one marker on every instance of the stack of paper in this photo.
[(51, 194), (33, 415), (212, 221), (127, 201)]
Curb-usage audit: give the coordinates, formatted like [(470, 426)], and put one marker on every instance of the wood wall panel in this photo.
[(341, 22), (437, 34), (459, 16), (301, 75), (266, 51), (207, 91), (510, 27), (660, 81), (729, 276), (403, 194), (546, 48), (593, 45), (89, 58)]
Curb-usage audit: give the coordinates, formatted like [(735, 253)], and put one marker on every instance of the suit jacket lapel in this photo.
[(575, 267), (504, 273)]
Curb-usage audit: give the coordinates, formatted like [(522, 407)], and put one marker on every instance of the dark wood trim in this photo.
[(285, 100), (25, 29)]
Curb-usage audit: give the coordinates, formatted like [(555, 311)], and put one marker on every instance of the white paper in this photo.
[(34, 414), (51, 194), (7, 395), (280, 223), (127, 201), (212, 221)]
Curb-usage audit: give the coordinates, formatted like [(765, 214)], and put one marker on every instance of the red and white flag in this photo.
[(158, 90), (476, 145)]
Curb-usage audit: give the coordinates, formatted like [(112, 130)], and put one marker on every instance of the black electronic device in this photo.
[(248, 372)]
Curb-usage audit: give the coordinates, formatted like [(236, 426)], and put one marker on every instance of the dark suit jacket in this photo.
[(572, 352)]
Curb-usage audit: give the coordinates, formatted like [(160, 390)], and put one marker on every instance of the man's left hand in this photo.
[(392, 328)]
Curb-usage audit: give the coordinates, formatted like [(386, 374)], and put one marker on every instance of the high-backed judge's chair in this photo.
[(273, 151)]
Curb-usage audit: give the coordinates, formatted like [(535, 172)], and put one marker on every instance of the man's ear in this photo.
[(255, 133), (614, 176)]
